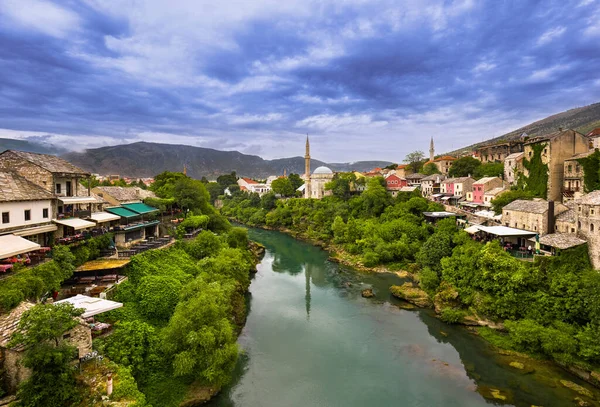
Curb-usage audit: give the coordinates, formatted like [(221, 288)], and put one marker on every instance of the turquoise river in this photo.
[(312, 340)]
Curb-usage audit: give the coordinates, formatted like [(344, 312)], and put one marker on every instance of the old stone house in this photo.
[(462, 185), (26, 209), (492, 194), (573, 182), (442, 163), (535, 216), (555, 149), (513, 166), (499, 152), (414, 180), (566, 222), (432, 184), (10, 358), (587, 215)]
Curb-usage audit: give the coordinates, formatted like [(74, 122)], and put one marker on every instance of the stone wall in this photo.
[(588, 228), (534, 222)]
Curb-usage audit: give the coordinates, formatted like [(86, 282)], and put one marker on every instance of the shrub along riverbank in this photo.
[(549, 308)]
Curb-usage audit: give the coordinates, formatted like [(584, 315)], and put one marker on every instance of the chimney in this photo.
[(551, 220)]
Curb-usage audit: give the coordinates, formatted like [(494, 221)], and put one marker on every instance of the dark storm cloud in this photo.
[(265, 73)]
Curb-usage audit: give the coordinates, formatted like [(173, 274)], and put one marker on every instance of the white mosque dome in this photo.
[(322, 170)]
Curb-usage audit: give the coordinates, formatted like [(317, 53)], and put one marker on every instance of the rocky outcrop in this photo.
[(368, 293), (198, 394), (410, 293)]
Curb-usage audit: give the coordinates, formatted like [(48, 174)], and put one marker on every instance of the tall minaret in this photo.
[(431, 149), (307, 191)]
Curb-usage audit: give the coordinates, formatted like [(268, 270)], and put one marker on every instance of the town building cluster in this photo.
[(43, 201)]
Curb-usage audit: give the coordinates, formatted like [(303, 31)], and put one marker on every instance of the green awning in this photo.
[(122, 212), (140, 208)]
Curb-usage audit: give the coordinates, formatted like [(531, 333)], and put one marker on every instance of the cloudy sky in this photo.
[(367, 79)]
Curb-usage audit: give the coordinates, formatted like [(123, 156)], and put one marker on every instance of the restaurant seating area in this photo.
[(147, 244)]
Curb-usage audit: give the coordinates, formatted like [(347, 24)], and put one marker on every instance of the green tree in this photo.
[(158, 296), (490, 169), (191, 195), (464, 166), (430, 169), (52, 381), (415, 160), (537, 180), (228, 179), (164, 183), (283, 187), (341, 185), (214, 190), (296, 181), (268, 201)]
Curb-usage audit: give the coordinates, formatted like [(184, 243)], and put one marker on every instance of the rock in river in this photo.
[(414, 295), (368, 293)]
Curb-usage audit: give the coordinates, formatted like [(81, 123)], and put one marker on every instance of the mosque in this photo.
[(314, 184)]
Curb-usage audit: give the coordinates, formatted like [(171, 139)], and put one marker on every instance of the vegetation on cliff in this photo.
[(549, 307)]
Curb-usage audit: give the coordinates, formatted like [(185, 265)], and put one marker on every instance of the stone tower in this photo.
[(307, 169), (431, 150)]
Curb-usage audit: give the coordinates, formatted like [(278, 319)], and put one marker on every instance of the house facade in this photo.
[(394, 183), (447, 186), (573, 181), (26, 209), (535, 216), (513, 166), (483, 185), (442, 163), (555, 149), (432, 184), (499, 152), (462, 185), (414, 180)]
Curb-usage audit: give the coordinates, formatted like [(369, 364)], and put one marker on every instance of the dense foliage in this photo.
[(550, 307), (591, 171), (32, 283), (537, 180), (182, 309)]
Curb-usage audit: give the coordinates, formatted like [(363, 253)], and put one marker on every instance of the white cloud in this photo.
[(546, 74), (551, 35), (340, 122), (40, 15), (483, 67)]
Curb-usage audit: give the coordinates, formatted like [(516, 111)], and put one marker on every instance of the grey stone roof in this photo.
[(567, 216), (561, 240), (125, 194), (14, 187), (9, 323), (434, 177), (494, 191), (593, 198), (522, 205), (48, 162), (513, 156), (581, 155), (415, 176), (484, 180), (461, 180)]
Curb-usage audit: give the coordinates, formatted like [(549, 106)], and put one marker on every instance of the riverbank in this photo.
[(444, 303)]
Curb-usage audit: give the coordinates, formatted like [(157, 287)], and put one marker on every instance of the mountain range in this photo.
[(148, 159)]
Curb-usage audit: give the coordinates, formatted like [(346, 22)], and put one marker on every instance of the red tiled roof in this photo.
[(595, 132), (249, 181)]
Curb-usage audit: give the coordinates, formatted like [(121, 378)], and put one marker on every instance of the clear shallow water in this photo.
[(312, 340)]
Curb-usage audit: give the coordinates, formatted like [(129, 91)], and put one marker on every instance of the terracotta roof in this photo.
[(13, 187), (250, 181), (594, 133), (593, 198), (445, 158), (125, 194), (9, 323), (561, 240), (521, 205), (48, 162)]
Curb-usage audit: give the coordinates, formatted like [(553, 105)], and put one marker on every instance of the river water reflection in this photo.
[(312, 340)]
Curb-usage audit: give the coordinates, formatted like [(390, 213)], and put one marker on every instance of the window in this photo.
[(45, 213), (545, 151), (591, 227), (591, 211), (579, 225), (530, 154), (58, 188), (27, 214), (5, 217), (572, 230), (66, 336)]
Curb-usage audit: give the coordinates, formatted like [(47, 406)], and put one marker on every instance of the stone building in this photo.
[(432, 184), (573, 184), (566, 222), (462, 185), (492, 194), (499, 152), (535, 216), (442, 163), (318, 179), (594, 137), (26, 209), (10, 358), (587, 215), (556, 148), (513, 166), (414, 180)]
